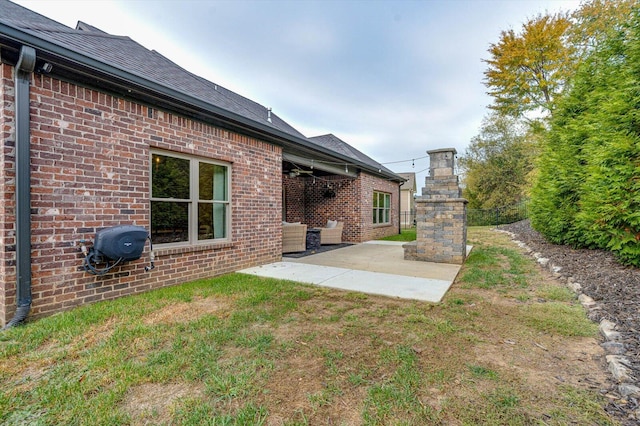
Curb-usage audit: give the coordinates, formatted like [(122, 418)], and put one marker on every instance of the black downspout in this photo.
[(24, 69)]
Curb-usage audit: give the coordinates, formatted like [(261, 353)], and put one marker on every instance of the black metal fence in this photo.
[(408, 219), (475, 217), (499, 215)]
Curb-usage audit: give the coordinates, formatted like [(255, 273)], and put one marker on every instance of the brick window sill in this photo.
[(382, 225), (165, 251)]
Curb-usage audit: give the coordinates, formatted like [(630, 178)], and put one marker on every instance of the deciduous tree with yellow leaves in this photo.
[(528, 70)]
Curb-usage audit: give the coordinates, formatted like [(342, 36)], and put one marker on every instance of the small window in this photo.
[(381, 208), (189, 199)]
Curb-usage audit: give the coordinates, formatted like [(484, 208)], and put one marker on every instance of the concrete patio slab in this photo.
[(375, 267)]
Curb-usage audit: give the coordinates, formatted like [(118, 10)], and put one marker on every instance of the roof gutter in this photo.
[(23, 70), (133, 85)]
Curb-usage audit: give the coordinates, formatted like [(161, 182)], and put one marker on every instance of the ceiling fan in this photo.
[(298, 172)]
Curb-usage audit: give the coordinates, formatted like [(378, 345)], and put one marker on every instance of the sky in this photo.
[(394, 79)]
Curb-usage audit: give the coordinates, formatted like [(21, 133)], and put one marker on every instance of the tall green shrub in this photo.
[(556, 192), (588, 188)]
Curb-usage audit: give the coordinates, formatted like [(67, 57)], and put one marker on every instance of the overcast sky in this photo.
[(392, 78)]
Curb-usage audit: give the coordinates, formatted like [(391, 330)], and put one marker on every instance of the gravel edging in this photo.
[(621, 359)]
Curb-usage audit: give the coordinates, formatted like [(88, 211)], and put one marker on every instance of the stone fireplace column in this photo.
[(441, 214)]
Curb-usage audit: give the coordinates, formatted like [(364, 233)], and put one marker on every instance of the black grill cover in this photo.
[(122, 241)]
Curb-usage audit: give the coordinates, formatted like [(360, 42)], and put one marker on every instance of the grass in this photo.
[(243, 350), (408, 234)]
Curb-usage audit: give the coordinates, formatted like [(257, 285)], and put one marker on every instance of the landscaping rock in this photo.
[(543, 261), (576, 287), (586, 301), (613, 348), (619, 368), (607, 328), (627, 389)]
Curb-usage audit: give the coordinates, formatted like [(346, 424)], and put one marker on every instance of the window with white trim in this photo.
[(189, 199), (381, 208)]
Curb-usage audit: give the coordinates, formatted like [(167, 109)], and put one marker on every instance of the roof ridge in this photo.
[(217, 86), (51, 29), (350, 151), (83, 26), (353, 149)]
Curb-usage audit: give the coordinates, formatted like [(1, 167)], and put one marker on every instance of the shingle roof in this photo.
[(411, 180), (123, 53), (336, 144)]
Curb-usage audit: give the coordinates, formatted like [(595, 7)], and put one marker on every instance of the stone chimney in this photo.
[(441, 214)]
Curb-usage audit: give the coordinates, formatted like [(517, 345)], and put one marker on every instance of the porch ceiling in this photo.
[(329, 167)]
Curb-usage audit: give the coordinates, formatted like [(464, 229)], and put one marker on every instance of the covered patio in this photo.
[(346, 186)]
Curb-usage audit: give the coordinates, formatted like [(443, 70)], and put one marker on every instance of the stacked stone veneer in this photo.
[(441, 230)]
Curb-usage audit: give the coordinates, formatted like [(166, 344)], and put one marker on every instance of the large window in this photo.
[(381, 208), (189, 199)]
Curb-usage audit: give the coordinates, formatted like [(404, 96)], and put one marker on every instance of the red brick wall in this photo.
[(370, 184), (294, 193), (7, 204), (334, 198), (90, 169)]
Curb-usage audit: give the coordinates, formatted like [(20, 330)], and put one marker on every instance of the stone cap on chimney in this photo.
[(435, 151), (441, 162)]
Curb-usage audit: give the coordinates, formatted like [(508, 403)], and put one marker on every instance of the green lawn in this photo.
[(244, 350), (405, 235)]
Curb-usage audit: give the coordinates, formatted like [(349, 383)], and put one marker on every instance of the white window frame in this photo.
[(194, 197)]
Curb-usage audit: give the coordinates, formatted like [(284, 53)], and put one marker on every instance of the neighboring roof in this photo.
[(410, 184), (101, 58)]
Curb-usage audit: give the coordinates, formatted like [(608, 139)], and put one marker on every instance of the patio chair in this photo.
[(294, 237), (333, 234)]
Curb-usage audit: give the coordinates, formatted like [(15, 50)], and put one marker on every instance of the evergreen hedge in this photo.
[(588, 188)]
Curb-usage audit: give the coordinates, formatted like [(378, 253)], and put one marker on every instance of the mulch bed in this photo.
[(614, 287)]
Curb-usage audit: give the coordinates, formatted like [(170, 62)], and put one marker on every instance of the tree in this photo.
[(528, 70), (497, 163), (595, 20)]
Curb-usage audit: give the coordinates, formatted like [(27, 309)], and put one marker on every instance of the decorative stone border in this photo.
[(619, 365)]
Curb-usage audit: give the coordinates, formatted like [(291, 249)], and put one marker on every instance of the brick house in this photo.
[(98, 131)]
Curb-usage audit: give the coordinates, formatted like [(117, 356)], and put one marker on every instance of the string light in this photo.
[(406, 161)]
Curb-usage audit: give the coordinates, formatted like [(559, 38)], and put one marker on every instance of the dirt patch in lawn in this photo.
[(152, 403), (183, 312)]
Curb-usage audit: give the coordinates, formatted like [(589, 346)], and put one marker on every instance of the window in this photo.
[(189, 199), (381, 208)]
